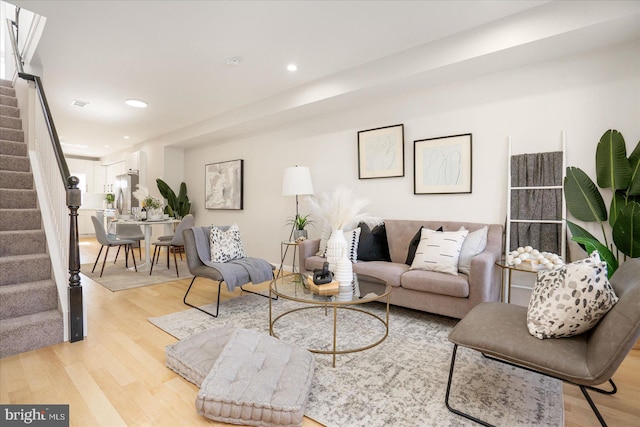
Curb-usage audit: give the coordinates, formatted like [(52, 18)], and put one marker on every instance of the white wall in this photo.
[(582, 95)]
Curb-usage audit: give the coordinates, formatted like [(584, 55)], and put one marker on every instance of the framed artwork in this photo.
[(442, 165), (223, 185), (381, 152)]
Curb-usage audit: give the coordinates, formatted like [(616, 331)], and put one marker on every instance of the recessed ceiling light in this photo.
[(233, 61), (292, 67), (137, 103), (78, 103), (126, 137)]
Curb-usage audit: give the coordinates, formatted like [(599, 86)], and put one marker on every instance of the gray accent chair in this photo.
[(198, 269), (499, 331), (176, 243), (108, 241)]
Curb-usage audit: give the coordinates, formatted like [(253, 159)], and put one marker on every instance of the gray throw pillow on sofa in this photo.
[(474, 244)]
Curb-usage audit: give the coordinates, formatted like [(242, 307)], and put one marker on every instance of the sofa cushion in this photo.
[(570, 300), (436, 283), (473, 244), (439, 251), (389, 272), (373, 244)]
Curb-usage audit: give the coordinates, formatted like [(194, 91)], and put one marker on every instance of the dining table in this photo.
[(146, 226)]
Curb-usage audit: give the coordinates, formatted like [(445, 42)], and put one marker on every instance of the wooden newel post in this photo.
[(76, 324)]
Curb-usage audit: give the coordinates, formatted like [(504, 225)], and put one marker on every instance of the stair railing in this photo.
[(50, 168)]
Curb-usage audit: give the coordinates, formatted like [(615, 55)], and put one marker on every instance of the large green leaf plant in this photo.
[(621, 175), (177, 206)]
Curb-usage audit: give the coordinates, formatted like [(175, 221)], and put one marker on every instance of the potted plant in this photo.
[(620, 174), (110, 197), (177, 206), (299, 222)]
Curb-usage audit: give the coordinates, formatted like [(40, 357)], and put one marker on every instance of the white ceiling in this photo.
[(173, 55)]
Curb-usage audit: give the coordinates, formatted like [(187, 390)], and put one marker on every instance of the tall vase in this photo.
[(336, 245), (344, 275)]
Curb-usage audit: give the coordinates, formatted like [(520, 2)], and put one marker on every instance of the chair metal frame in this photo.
[(583, 388)]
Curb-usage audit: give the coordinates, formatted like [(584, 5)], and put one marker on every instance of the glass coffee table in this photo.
[(329, 302)]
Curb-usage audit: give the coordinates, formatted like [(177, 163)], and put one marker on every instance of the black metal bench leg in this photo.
[(198, 308), (446, 398)]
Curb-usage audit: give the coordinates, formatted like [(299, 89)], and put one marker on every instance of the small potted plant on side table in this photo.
[(299, 223)]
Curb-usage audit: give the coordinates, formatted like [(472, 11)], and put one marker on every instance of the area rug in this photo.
[(116, 277), (400, 382)]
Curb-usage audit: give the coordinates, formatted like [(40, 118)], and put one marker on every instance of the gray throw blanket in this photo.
[(236, 272)]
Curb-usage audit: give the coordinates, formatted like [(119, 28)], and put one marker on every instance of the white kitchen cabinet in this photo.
[(112, 171), (85, 225), (99, 178)]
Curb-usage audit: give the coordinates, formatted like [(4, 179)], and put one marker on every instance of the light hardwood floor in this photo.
[(116, 376)]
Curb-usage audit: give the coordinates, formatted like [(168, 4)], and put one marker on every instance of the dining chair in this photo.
[(176, 243), (109, 241), (130, 232)]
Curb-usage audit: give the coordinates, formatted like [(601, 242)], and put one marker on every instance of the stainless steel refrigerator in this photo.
[(125, 185)]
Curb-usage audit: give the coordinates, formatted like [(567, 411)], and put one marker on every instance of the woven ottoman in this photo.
[(245, 377)]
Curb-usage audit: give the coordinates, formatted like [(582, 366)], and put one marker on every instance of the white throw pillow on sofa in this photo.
[(439, 251), (474, 243), (570, 300)]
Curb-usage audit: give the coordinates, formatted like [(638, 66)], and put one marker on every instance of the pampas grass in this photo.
[(342, 209)]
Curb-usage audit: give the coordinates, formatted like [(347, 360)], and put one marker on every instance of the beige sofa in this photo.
[(430, 291)]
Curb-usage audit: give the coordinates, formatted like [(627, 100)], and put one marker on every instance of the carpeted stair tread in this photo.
[(12, 134), (16, 180), (22, 242), (14, 148), (14, 163), (18, 199), (11, 101), (6, 83), (10, 122), (20, 219), (24, 268), (7, 91), (30, 332), (21, 299), (9, 111)]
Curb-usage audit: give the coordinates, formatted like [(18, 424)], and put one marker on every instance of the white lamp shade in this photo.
[(296, 181)]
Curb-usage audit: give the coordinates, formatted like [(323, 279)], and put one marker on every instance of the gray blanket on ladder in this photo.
[(236, 272)]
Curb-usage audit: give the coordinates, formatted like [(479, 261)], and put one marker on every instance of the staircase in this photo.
[(29, 314)]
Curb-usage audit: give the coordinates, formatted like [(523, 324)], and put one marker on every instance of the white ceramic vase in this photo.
[(344, 275), (336, 245)]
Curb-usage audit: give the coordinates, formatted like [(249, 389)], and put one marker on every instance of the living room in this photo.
[(575, 95)]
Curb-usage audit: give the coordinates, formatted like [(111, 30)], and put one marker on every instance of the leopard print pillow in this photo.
[(570, 300), (225, 245)]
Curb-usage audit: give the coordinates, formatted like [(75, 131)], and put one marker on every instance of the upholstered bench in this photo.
[(245, 377)]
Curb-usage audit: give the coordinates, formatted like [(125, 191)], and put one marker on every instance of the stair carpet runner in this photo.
[(29, 312)]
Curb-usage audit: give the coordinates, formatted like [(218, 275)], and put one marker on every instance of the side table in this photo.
[(510, 268), (284, 249)]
